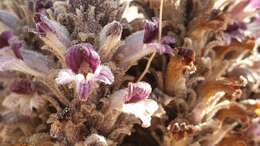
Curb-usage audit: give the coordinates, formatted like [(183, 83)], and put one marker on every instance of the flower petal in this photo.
[(78, 54), (84, 89), (138, 91), (22, 87), (151, 29), (74, 58), (143, 110), (254, 4), (91, 56), (104, 74), (65, 76)]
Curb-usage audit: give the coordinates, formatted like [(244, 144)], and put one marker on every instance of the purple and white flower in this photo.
[(135, 100), (79, 54), (138, 91), (85, 70)]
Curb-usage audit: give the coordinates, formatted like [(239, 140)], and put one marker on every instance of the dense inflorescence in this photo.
[(93, 73)]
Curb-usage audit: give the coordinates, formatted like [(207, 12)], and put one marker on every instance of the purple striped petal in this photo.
[(78, 54), (74, 58), (91, 56), (84, 89), (150, 31), (104, 74), (22, 87), (138, 91)]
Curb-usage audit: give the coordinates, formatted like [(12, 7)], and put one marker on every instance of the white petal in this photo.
[(143, 110), (104, 74), (65, 76), (79, 78)]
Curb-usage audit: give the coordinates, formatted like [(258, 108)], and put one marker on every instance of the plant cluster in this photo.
[(79, 73)]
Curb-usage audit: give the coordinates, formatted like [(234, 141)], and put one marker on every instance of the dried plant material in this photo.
[(230, 87), (54, 35), (234, 112), (218, 135), (110, 39), (177, 69), (95, 139), (211, 94), (129, 72), (233, 140), (236, 48), (203, 26), (24, 104)]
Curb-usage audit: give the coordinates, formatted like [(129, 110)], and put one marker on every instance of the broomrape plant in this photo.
[(129, 73)]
